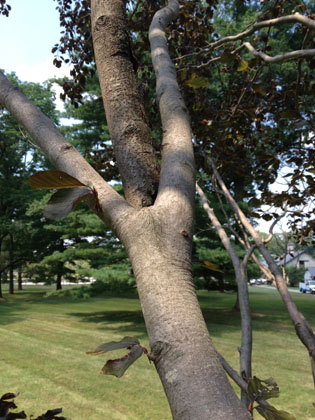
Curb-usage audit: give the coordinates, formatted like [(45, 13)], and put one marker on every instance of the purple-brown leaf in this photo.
[(125, 343), (118, 367), (8, 396), (46, 180), (64, 200)]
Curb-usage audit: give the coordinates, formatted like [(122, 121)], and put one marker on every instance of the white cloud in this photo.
[(40, 72)]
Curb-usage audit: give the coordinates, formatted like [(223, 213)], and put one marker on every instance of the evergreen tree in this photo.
[(18, 160)]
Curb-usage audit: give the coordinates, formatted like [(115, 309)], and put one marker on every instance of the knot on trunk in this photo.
[(158, 349)]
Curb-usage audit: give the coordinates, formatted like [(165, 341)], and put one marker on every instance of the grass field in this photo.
[(43, 344)]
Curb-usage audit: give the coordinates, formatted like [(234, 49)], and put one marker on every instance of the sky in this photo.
[(26, 39)]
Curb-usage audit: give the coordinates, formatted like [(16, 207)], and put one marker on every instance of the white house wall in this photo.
[(308, 260)]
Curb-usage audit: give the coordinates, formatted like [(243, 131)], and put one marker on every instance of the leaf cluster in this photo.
[(254, 119), (70, 192), (7, 404), (4, 8), (118, 367), (259, 391)]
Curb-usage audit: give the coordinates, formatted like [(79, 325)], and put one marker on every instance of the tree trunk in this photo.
[(58, 281), (221, 283), (125, 113), (20, 283), (11, 267), (191, 374), (1, 295), (11, 280), (1, 271), (158, 238), (60, 267)]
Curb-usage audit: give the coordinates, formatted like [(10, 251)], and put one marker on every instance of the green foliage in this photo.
[(16, 165), (82, 292), (89, 132), (249, 116), (77, 248), (278, 244), (296, 275), (208, 247), (196, 82), (114, 286)]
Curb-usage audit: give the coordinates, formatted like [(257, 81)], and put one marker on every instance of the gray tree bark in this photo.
[(130, 133), (158, 238)]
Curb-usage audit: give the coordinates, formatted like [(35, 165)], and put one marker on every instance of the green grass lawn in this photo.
[(43, 344)]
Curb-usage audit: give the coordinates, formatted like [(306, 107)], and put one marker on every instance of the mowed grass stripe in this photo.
[(49, 332), (59, 395)]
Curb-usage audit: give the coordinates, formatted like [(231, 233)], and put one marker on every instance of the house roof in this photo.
[(284, 259), (311, 271)]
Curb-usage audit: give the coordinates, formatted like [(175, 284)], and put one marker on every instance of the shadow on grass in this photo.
[(219, 321), (10, 313), (13, 306), (124, 321), (268, 312)]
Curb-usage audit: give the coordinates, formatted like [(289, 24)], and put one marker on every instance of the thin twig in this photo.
[(230, 227), (270, 236), (248, 254), (232, 373), (299, 66), (246, 87), (296, 17)]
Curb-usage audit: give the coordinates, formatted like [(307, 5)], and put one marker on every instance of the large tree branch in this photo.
[(123, 102), (178, 171), (60, 152)]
